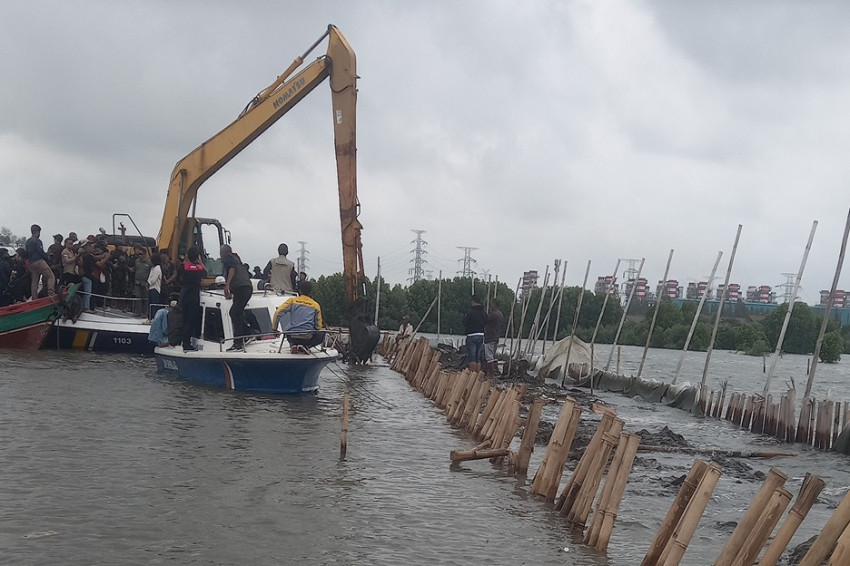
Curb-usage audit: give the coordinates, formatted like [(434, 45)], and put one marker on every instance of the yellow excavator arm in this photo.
[(339, 64)]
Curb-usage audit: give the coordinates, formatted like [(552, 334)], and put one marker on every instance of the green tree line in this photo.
[(737, 331)]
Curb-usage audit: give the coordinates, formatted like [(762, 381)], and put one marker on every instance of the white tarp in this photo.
[(554, 361)]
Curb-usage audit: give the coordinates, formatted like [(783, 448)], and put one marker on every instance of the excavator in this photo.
[(179, 230)]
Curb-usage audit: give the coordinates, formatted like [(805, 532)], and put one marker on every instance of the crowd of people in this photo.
[(101, 271), (134, 281)]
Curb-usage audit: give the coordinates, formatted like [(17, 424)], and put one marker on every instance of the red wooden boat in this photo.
[(24, 326)]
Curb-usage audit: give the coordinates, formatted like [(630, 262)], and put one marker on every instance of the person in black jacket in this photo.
[(473, 324)]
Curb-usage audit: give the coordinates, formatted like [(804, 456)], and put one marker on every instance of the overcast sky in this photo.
[(588, 131)]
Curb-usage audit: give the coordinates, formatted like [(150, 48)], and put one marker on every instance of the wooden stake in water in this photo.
[(343, 444), (602, 310), (439, 302), (560, 302), (378, 291), (625, 312), (827, 308), (696, 318), (808, 494), (791, 302), (719, 312), (658, 300), (566, 367)]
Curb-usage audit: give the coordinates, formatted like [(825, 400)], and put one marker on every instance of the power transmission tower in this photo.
[(468, 262), (788, 287), (417, 272), (631, 272), (301, 264)]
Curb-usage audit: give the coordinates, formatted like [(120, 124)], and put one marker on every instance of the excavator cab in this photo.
[(208, 235)]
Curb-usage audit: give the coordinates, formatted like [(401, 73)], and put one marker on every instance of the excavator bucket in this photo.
[(363, 338)]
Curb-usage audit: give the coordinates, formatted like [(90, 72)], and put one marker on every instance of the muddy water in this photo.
[(104, 461)]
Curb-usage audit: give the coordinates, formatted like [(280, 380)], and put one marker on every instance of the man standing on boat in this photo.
[(237, 286), (301, 319), (192, 273), (39, 263), (280, 272)]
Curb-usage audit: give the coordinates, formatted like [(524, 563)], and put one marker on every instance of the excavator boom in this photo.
[(178, 231)]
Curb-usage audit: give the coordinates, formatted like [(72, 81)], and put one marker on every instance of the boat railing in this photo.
[(120, 306), (225, 343)]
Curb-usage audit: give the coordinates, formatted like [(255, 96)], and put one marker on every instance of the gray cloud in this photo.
[(528, 130)]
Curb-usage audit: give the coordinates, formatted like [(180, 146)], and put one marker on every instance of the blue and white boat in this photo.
[(266, 363)]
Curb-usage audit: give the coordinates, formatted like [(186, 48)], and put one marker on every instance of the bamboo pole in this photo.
[(696, 318), (791, 302), (841, 554), (714, 452), (566, 367), (827, 308), (764, 525), (433, 379), (571, 490), (425, 316), (560, 302), (483, 396), (828, 536), (808, 494), (623, 317), (601, 314), (492, 401), (655, 315), (439, 302), (551, 468), (511, 425), (526, 446), (525, 302), (440, 390), (685, 530), (552, 297), (624, 460), (343, 443), (466, 455), (774, 480), (719, 311), (675, 513), (489, 426), (580, 511), (509, 327), (473, 403), (534, 332)]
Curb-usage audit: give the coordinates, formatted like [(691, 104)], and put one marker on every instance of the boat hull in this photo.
[(26, 338), (243, 373), (24, 326), (104, 331), (94, 339)]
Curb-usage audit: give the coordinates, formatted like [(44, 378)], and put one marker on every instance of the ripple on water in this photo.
[(125, 466)]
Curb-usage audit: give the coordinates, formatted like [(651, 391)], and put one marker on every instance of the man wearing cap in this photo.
[(39, 263)]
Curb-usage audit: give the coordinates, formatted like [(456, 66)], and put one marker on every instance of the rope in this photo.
[(359, 388)]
